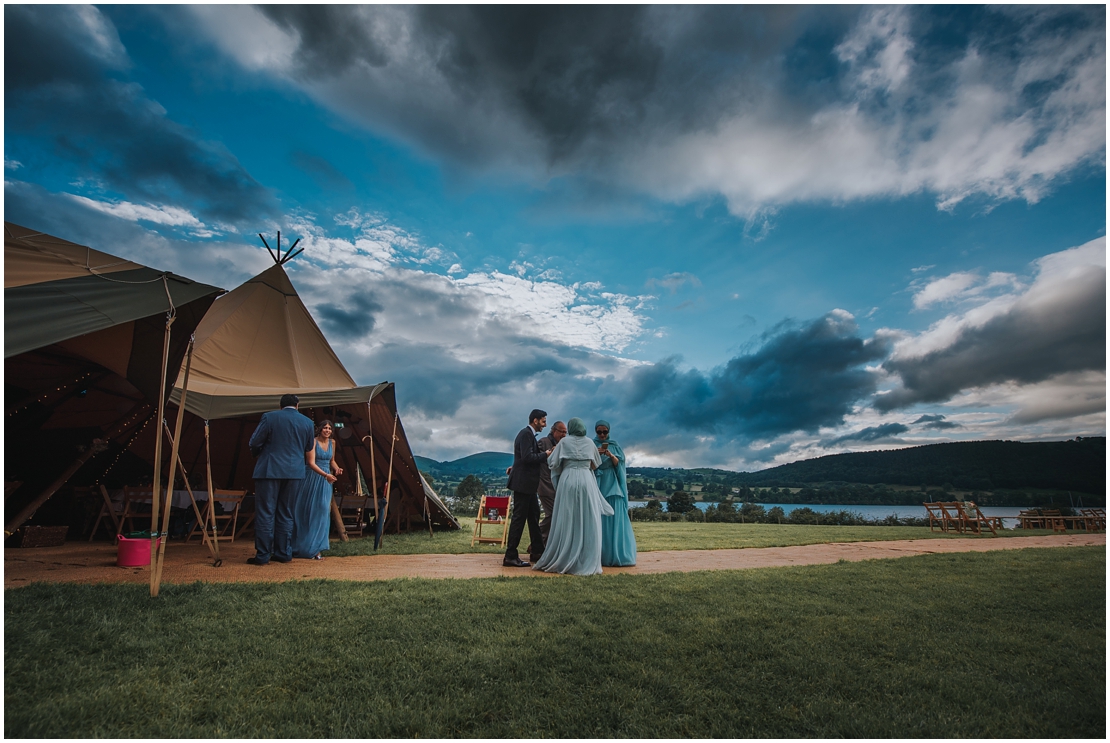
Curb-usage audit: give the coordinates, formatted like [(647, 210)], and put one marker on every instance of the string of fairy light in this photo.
[(125, 446), (46, 395)]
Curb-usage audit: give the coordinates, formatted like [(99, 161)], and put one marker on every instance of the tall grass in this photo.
[(1004, 644)]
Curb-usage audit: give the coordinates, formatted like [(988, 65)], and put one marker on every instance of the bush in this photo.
[(680, 502)]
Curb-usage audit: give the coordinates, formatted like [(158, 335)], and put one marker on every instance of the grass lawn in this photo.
[(662, 535), (1003, 644)]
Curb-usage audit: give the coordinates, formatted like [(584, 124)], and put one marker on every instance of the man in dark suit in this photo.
[(546, 491), (282, 440), (524, 481)]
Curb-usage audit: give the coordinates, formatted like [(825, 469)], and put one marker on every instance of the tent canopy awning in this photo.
[(55, 290), (214, 406)]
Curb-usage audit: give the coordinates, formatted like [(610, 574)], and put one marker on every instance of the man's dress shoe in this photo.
[(514, 563), (256, 561)]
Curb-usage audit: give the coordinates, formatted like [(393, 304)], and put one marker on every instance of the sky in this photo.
[(744, 236)]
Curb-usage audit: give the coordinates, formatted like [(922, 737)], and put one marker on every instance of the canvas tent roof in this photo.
[(259, 342)]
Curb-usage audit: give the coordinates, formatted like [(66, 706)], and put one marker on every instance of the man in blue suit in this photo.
[(281, 441)]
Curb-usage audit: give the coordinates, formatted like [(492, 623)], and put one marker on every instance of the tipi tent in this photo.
[(259, 342), (84, 337)]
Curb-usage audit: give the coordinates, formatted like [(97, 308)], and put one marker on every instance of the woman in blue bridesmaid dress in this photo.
[(312, 509)]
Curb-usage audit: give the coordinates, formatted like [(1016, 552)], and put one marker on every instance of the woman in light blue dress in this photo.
[(574, 542), (312, 509), (618, 543)]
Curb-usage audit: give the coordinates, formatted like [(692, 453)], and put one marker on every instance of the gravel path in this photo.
[(83, 562)]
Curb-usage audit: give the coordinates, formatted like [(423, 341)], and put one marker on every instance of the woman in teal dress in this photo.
[(574, 541), (312, 509), (618, 543)]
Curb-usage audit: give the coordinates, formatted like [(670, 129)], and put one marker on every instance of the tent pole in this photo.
[(156, 490), (174, 459), (211, 500), (373, 468), (188, 487), (389, 480)]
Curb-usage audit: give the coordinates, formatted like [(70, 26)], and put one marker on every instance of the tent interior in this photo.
[(83, 354)]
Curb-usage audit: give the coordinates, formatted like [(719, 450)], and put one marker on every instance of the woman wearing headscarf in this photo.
[(574, 542), (618, 543)]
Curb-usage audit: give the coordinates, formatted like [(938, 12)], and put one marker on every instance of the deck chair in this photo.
[(1094, 519), (950, 514), (109, 509), (937, 517), (973, 520), (227, 515), (492, 510)]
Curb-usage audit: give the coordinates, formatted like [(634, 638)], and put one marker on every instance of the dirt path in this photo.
[(80, 562)]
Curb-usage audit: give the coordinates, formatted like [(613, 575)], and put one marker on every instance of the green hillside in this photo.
[(1078, 465), (475, 464)]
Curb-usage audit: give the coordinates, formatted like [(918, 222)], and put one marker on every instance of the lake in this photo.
[(874, 513)]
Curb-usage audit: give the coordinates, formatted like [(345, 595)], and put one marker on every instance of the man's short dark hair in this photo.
[(536, 415), (289, 401)]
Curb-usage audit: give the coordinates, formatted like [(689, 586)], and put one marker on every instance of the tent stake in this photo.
[(156, 490), (174, 459)]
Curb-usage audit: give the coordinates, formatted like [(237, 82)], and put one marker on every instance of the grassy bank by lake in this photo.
[(652, 536), (1005, 644)]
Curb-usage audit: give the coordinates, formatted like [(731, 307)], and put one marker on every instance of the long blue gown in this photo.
[(312, 510), (618, 543), (574, 541)]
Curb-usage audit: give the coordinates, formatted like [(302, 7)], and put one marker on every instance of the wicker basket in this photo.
[(43, 536)]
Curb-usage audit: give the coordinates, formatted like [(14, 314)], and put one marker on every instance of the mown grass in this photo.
[(1003, 644), (662, 535)]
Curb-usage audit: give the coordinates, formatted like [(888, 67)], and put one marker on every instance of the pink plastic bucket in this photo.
[(133, 553)]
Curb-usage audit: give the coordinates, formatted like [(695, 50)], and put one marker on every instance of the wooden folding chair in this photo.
[(227, 516), (1052, 519), (353, 513), (133, 504), (492, 510), (1030, 519)]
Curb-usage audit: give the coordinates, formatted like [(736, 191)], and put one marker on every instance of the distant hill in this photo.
[(475, 464), (1078, 465)]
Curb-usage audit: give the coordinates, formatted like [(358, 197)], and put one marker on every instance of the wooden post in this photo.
[(389, 478), (156, 489), (174, 458), (97, 446), (218, 561)]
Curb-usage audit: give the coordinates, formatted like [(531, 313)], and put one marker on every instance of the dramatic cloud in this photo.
[(884, 432), (765, 106), (801, 378), (63, 69), (1056, 326), (936, 422)]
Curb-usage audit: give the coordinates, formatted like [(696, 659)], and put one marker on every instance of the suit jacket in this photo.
[(546, 489), (285, 436), (527, 457)]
